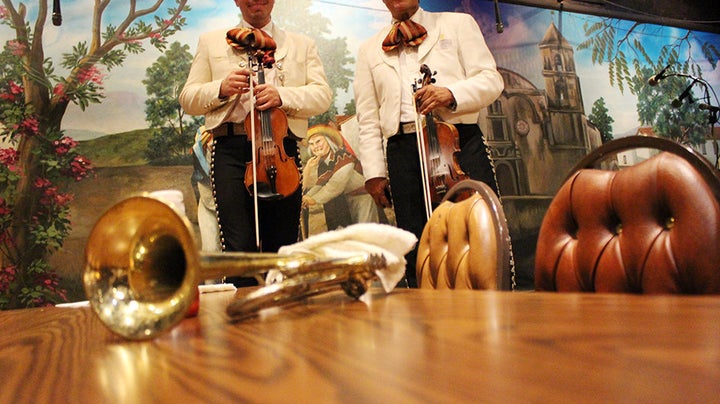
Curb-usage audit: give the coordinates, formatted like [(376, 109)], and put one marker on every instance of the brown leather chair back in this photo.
[(466, 243), (649, 228)]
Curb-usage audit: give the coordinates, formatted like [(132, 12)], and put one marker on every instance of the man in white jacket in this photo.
[(218, 88), (466, 80)]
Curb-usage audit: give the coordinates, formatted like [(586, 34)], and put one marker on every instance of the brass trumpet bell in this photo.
[(143, 267)]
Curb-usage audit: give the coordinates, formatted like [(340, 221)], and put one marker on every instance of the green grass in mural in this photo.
[(117, 150)]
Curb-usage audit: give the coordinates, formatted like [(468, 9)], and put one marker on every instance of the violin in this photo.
[(438, 146), (272, 172)]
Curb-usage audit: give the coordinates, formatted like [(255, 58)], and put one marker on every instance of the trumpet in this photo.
[(143, 267)]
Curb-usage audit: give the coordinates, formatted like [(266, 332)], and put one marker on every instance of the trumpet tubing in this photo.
[(353, 274), (142, 269)]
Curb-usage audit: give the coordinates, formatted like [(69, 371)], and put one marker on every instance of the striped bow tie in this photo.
[(407, 33), (252, 39)]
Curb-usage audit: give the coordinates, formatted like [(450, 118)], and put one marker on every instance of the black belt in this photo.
[(229, 129)]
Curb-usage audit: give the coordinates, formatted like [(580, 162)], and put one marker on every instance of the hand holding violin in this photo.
[(266, 97), (273, 173), (236, 82), (431, 97), (438, 144)]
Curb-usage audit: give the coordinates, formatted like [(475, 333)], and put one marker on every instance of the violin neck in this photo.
[(260, 73), (266, 126), (431, 127)]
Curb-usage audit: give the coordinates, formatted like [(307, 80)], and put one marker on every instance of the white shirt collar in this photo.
[(267, 28), (415, 17)]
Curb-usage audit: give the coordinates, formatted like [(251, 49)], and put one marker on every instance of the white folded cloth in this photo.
[(360, 239), (216, 287)]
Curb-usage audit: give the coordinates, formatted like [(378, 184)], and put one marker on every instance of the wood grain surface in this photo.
[(408, 346)]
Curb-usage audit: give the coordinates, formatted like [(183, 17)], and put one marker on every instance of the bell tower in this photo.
[(565, 107), (561, 81)]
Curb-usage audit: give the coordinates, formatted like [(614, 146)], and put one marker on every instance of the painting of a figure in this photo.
[(334, 195)]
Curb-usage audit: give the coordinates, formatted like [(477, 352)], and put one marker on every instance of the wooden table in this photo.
[(409, 346)]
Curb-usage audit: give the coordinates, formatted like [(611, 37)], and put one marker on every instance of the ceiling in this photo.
[(697, 15)]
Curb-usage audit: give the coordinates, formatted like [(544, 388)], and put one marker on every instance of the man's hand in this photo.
[(236, 82), (266, 97), (379, 189), (307, 202), (431, 97)]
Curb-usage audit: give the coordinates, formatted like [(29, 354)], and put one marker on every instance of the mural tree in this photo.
[(173, 129), (34, 97), (658, 106), (296, 16), (620, 44), (600, 118)]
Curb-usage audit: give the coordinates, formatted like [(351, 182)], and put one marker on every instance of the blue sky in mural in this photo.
[(516, 49)]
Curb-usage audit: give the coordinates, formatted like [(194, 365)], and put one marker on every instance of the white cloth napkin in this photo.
[(358, 239)]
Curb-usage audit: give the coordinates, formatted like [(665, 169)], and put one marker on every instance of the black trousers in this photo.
[(279, 220), (403, 162)]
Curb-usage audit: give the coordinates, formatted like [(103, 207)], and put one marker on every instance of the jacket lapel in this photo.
[(279, 37), (433, 36), (389, 58)]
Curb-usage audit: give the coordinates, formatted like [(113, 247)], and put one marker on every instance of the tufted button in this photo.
[(669, 223)]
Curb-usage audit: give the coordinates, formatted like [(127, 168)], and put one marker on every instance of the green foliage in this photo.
[(685, 124), (600, 118), (711, 53), (167, 147), (350, 108), (612, 43), (175, 132)]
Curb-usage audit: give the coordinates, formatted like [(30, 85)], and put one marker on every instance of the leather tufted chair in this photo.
[(466, 243), (653, 227)]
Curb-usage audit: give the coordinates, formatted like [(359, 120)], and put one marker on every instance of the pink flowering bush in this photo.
[(35, 284), (37, 160), (26, 280)]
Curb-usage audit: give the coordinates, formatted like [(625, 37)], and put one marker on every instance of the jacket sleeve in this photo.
[(482, 84), (370, 139), (200, 95)]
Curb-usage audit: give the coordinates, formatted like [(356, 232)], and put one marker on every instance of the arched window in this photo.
[(558, 63), (561, 90)]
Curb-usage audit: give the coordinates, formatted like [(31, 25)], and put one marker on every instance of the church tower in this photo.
[(564, 96), (561, 81)]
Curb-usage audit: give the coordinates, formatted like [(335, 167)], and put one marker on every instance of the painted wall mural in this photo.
[(86, 122)]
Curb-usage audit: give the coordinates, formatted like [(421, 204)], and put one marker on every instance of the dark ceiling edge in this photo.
[(604, 10)]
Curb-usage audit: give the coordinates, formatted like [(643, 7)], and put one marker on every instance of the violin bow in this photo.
[(254, 148), (422, 151)]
